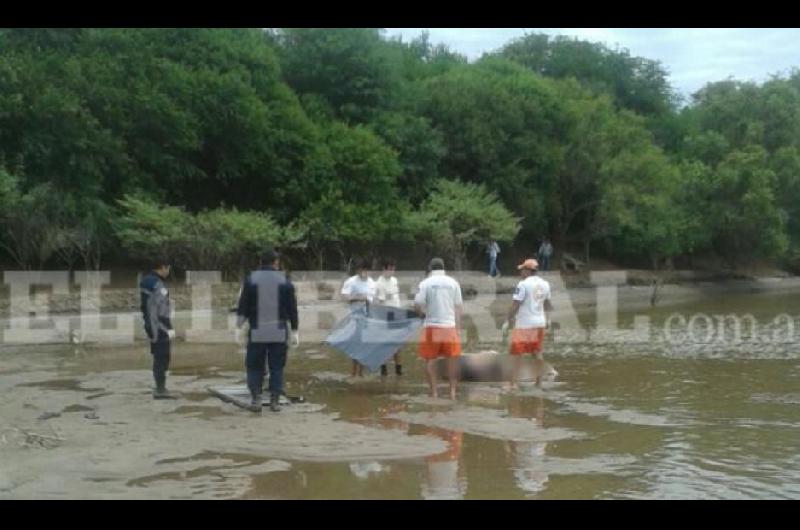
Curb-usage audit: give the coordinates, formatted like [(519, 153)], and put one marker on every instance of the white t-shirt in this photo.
[(355, 286), (387, 291), (531, 293), (439, 295)]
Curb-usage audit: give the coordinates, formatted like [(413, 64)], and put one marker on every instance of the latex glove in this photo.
[(294, 339), (171, 334), (239, 335)]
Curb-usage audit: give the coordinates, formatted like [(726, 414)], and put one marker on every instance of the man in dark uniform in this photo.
[(155, 306), (268, 304)]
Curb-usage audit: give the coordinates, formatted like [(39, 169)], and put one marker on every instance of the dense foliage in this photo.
[(211, 144)]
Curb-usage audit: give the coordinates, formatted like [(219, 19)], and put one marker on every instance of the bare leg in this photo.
[(430, 372), (452, 375), (516, 363), (538, 369)]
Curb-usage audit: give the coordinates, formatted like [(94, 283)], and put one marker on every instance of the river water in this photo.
[(704, 405)]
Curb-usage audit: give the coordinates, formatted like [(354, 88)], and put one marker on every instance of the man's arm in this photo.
[(458, 306), (291, 302), (159, 310), (242, 308), (419, 301), (548, 307), (512, 312)]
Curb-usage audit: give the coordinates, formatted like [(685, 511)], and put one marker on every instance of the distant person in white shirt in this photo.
[(387, 292), (439, 300), (528, 317), (359, 292)]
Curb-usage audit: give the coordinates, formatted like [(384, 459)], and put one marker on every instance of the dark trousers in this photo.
[(259, 355), (493, 266), (160, 350), (545, 263)]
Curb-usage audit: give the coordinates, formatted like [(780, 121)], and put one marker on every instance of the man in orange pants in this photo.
[(528, 318), (439, 299)]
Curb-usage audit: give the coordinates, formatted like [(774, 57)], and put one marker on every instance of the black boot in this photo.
[(255, 403), (161, 391), (273, 403), (384, 371), (398, 369)]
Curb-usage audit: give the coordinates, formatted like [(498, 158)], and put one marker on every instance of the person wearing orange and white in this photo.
[(528, 317), (439, 300)]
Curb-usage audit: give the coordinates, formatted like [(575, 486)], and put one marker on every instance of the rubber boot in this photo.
[(384, 371), (255, 403), (398, 369), (161, 391), (273, 403)]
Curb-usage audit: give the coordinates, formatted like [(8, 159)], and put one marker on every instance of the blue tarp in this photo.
[(372, 334)]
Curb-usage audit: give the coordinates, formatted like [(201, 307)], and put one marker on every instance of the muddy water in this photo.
[(697, 411)]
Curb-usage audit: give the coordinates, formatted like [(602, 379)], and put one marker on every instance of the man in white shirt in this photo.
[(387, 292), (359, 291), (439, 300), (528, 317)]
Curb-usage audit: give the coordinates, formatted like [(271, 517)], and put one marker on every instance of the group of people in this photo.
[(269, 305), (542, 256)]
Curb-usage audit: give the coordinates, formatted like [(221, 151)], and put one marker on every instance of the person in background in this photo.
[(493, 249), (268, 303), (528, 317), (387, 292), (155, 307), (359, 291), (544, 254), (439, 300)]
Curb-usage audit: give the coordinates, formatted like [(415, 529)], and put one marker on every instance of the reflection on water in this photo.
[(444, 478)]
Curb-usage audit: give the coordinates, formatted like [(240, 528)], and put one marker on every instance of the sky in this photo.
[(692, 56)]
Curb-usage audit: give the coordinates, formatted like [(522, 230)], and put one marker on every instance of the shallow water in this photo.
[(702, 417)]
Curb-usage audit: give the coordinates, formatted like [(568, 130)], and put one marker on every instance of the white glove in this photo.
[(239, 335), (171, 334), (504, 328), (294, 339)]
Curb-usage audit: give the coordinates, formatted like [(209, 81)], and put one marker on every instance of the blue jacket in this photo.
[(268, 302), (155, 306)]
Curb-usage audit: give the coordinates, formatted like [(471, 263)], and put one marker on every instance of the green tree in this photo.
[(746, 220), (457, 215)]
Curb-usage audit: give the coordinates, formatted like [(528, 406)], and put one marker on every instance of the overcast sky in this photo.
[(692, 56)]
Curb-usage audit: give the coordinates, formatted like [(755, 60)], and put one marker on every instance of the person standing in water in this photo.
[(528, 317), (387, 292), (359, 291), (439, 300)]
